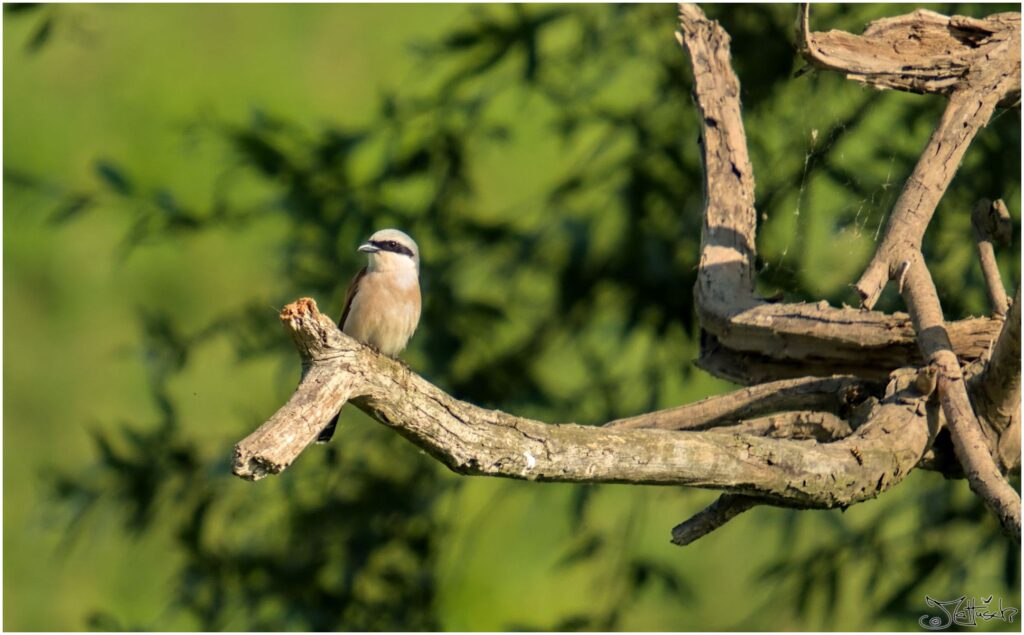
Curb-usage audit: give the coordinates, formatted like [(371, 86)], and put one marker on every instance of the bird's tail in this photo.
[(328, 432)]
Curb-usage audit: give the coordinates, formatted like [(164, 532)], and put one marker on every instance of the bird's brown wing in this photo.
[(328, 432), (352, 288)]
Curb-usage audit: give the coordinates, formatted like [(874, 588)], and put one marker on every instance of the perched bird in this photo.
[(382, 306)]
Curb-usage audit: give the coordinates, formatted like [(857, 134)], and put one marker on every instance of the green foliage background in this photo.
[(174, 174)]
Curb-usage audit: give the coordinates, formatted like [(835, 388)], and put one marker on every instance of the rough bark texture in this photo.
[(826, 340), (833, 395), (976, 63), (823, 432), (472, 440), (969, 440), (922, 52)]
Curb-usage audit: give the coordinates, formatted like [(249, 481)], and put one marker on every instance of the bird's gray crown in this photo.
[(395, 241)]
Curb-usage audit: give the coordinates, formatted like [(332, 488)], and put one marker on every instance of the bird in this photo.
[(382, 306)]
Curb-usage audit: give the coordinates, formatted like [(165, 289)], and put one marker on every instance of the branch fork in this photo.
[(831, 439)]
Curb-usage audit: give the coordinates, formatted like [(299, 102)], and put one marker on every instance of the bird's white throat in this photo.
[(387, 262)]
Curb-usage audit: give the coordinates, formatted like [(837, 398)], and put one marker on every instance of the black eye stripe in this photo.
[(392, 246)]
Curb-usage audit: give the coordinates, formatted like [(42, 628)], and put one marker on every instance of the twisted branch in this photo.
[(722, 443), (976, 63), (787, 339), (968, 439), (472, 440)]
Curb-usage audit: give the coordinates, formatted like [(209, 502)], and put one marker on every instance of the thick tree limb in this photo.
[(472, 440), (827, 340), (991, 221), (922, 52), (832, 394), (975, 62), (968, 439)]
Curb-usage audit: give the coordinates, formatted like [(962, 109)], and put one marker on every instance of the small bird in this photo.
[(382, 306)]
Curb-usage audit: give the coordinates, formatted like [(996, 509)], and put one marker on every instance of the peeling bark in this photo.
[(921, 52)]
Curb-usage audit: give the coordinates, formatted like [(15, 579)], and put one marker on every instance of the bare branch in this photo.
[(767, 460), (273, 446), (992, 223), (975, 62), (827, 339), (472, 440), (972, 340), (922, 52), (823, 427), (968, 438), (832, 394), (996, 390), (725, 508)]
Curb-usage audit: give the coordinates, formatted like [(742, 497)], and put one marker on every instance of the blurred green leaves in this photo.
[(546, 160)]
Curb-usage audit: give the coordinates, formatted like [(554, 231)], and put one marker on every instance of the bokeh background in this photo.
[(174, 174)]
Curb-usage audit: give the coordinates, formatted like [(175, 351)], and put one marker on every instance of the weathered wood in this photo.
[(969, 441), (274, 445), (976, 63), (830, 441), (996, 390), (832, 394), (991, 221), (473, 440), (828, 340), (921, 52)]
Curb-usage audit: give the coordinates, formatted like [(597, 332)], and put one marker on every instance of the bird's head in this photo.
[(391, 250)]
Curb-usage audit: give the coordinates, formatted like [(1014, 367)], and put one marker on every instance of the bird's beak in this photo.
[(368, 249)]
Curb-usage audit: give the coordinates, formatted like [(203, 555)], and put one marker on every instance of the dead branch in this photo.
[(472, 440), (996, 390), (832, 394), (825, 340), (807, 443), (725, 508), (968, 438), (972, 340), (991, 221), (975, 62), (922, 52)]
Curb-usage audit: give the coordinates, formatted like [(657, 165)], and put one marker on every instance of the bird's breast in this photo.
[(384, 311)]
